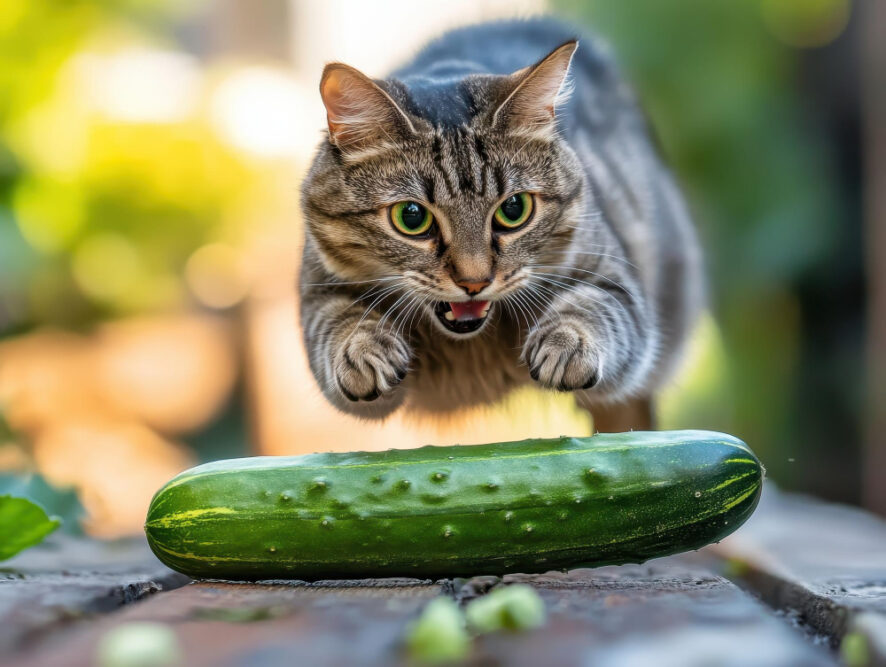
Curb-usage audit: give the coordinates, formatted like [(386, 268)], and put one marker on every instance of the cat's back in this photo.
[(433, 75)]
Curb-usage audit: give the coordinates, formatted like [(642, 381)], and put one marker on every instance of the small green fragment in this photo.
[(735, 568), (139, 645), (854, 650), (22, 524), (439, 476), (517, 607), (439, 634)]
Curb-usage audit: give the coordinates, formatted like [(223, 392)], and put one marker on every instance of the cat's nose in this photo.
[(471, 285)]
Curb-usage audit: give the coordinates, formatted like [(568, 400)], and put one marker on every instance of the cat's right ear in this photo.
[(359, 112)]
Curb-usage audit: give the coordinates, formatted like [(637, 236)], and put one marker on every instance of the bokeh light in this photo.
[(259, 110)]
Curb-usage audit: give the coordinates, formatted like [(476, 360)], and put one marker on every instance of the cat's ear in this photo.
[(530, 106), (358, 111)]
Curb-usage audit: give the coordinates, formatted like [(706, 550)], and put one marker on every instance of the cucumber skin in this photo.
[(527, 506)]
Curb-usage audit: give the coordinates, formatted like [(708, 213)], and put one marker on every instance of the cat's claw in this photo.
[(370, 364), (560, 356)]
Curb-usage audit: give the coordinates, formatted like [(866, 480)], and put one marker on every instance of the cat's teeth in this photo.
[(449, 316), (485, 310)]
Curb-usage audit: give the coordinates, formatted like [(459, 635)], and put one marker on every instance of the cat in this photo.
[(494, 213)]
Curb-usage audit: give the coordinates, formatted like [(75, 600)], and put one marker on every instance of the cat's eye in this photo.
[(514, 211), (411, 218)]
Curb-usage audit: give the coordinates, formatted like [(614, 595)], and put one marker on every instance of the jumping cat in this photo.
[(476, 222)]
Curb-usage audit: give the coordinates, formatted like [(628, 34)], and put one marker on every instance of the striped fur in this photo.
[(595, 295)]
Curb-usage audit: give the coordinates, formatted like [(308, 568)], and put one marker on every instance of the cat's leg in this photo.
[(593, 340), (355, 355), (635, 414)]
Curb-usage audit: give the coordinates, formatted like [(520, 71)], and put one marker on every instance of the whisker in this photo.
[(365, 295), (528, 305), (624, 260), (409, 312), (395, 322), (387, 290), (558, 295), (524, 310), (333, 283), (533, 301), (391, 310), (571, 288), (593, 273), (510, 302), (418, 311), (551, 279)]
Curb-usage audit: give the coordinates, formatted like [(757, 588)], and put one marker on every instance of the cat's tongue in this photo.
[(469, 309)]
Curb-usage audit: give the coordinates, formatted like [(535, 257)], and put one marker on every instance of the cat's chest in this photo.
[(450, 374)]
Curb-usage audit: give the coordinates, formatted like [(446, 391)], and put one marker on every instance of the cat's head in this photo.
[(447, 191)]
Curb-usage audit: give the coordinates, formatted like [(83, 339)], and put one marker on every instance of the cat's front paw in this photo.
[(560, 356), (370, 363)]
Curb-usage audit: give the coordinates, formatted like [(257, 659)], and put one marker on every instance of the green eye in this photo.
[(411, 218), (514, 211)]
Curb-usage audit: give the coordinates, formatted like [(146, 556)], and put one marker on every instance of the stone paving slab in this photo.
[(618, 616), (66, 580), (824, 562), (230, 624), (666, 613)]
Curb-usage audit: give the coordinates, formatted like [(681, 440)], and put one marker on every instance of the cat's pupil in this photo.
[(512, 207), (413, 215)]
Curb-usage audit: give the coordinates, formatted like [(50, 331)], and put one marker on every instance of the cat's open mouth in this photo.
[(462, 317)]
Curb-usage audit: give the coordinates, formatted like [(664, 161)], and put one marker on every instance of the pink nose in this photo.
[(472, 286)]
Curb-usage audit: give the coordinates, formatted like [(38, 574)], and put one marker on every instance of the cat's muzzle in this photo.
[(462, 317)]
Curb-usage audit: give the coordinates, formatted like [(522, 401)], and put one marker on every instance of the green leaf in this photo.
[(60, 502), (22, 524)]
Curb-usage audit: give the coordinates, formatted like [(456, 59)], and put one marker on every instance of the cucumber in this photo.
[(526, 506)]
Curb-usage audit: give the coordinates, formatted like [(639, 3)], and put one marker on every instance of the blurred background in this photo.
[(150, 158)]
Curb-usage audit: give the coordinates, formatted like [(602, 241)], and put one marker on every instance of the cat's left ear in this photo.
[(530, 106)]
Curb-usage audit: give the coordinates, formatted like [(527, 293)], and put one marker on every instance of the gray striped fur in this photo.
[(603, 284)]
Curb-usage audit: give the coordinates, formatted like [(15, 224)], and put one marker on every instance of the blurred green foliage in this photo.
[(97, 214), (720, 83)]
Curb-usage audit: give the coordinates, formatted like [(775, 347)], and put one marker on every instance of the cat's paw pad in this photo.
[(369, 363), (560, 356)]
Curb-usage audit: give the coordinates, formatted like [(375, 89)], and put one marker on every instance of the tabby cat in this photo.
[(476, 222)]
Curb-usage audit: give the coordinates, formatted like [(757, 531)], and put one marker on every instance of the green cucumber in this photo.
[(526, 506)]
